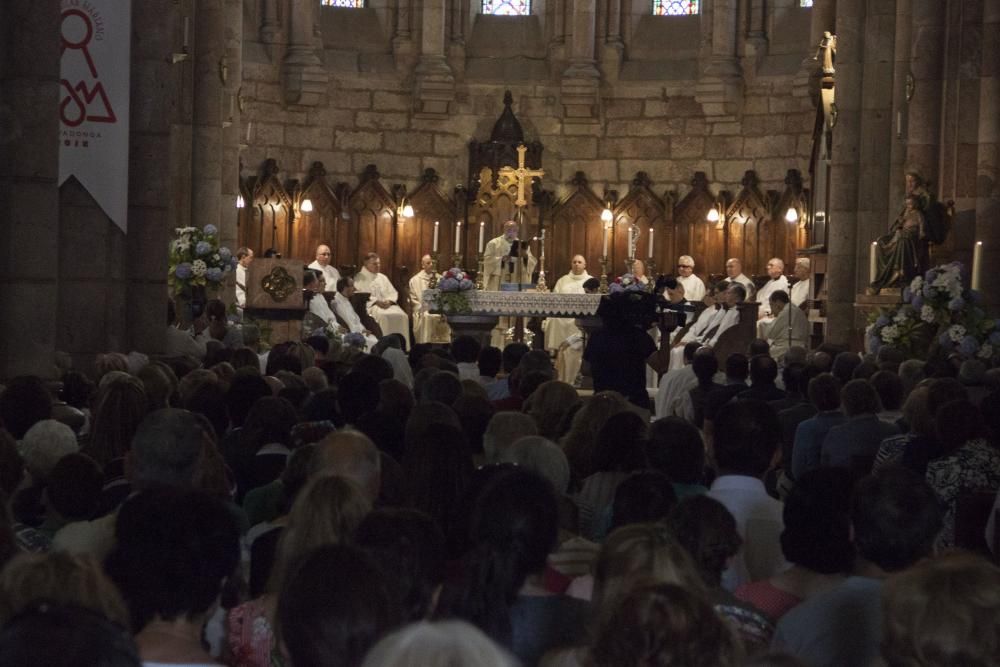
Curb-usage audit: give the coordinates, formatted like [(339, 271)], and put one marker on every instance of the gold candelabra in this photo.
[(457, 260), (604, 275), (651, 274), (480, 270), (433, 282)]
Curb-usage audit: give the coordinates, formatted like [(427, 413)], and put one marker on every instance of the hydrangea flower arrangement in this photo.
[(451, 286), (937, 311), (626, 283), (197, 260)]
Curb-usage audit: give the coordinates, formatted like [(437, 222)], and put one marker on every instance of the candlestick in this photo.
[(480, 271), (631, 241), (458, 235), (482, 231), (603, 289), (436, 225), (607, 232), (977, 263), (872, 262), (650, 243), (433, 282)]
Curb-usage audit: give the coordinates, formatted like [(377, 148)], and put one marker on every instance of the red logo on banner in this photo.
[(82, 100)]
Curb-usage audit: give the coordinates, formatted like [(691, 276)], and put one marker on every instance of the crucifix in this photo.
[(507, 176)]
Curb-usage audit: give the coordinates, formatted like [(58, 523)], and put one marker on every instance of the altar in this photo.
[(486, 308)]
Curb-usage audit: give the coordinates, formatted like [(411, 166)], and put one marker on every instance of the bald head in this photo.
[(775, 267), (734, 267), (353, 455), (579, 265), (511, 229)]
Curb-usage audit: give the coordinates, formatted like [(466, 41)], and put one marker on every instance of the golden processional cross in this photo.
[(508, 176)]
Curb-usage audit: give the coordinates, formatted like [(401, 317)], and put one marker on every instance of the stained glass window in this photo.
[(352, 4), (805, 3), (675, 7), (507, 7)]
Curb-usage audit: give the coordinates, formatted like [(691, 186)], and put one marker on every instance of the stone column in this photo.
[(720, 87), (456, 49), (613, 48), (988, 176), (842, 253), (402, 41), (435, 82), (927, 65), (756, 40), (209, 99), (232, 132), (581, 80), (302, 73), (270, 26), (29, 192), (900, 105)]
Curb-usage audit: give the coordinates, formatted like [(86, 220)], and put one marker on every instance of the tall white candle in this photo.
[(872, 262), (482, 231), (606, 233), (650, 255), (249, 128), (630, 242), (436, 224), (458, 235), (977, 264)]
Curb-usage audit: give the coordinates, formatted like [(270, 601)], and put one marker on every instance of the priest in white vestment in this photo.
[(717, 324), (342, 306), (317, 303), (322, 263), (800, 290), (505, 262), (244, 256), (776, 281), (789, 328), (694, 288), (382, 302), (427, 327), (734, 274), (559, 330)]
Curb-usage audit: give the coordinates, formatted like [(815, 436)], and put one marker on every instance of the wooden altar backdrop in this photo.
[(365, 218)]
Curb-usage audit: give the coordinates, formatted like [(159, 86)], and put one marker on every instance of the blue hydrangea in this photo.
[(918, 301), (355, 340), (225, 253), (907, 294), (956, 304), (211, 230), (995, 339), (944, 340), (928, 290), (883, 320), (183, 271), (969, 346), (874, 344), (974, 297), (203, 248), (214, 274), (930, 276)]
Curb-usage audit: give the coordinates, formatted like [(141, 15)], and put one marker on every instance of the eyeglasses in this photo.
[(684, 266)]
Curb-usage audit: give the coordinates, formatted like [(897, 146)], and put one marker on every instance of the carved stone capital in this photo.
[(435, 86), (303, 77), (580, 92), (719, 91)]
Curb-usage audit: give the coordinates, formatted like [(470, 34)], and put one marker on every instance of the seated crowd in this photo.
[(319, 504)]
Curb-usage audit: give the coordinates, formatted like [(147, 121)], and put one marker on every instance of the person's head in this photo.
[(438, 643), (511, 230), (578, 265), (313, 280), (74, 489), (326, 511), (245, 389), (758, 347), (581, 440), (706, 529), (889, 388), (943, 611), (824, 392), (490, 361), (409, 548), (775, 267), (353, 455), (542, 456), (944, 390), (817, 534), (334, 607), (858, 398), (427, 264), (844, 364), (244, 256), (346, 286), (763, 370), (735, 294), (675, 448), (65, 636), (441, 387), (778, 300), (647, 495), (705, 366), (745, 438), (549, 404), (503, 429), (323, 254), (636, 555), (24, 402), (167, 449), (437, 464), (734, 267), (591, 285), (911, 372), (357, 395), (864, 371), (174, 549), (665, 624), (59, 578), (621, 443), (737, 367), (44, 445), (958, 422), (372, 262), (690, 349), (270, 421), (895, 518), (685, 266), (465, 349), (801, 270), (638, 268), (512, 354)]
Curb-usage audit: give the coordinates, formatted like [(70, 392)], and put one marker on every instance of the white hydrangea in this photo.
[(198, 267), (901, 317), (986, 351), (916, 284), (927, 314), (890, 333), (956, 332)]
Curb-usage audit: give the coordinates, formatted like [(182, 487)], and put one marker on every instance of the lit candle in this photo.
[(458, 235), (607, 231), (873, 262), (436, 224), (543, 244), (650, 255), (631, 241), (977, 263), (482, 231)]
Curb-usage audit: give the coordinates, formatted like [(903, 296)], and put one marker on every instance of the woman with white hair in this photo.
[(443, 643)]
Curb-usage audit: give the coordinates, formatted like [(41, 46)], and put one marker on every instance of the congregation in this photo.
[(398, 503)]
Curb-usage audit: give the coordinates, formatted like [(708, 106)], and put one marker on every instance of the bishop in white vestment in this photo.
[(322, 263), (382, 302), (775, 269), (500, 267), (427, 327), (559, 330)]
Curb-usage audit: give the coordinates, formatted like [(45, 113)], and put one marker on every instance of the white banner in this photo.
[(94, 101)]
